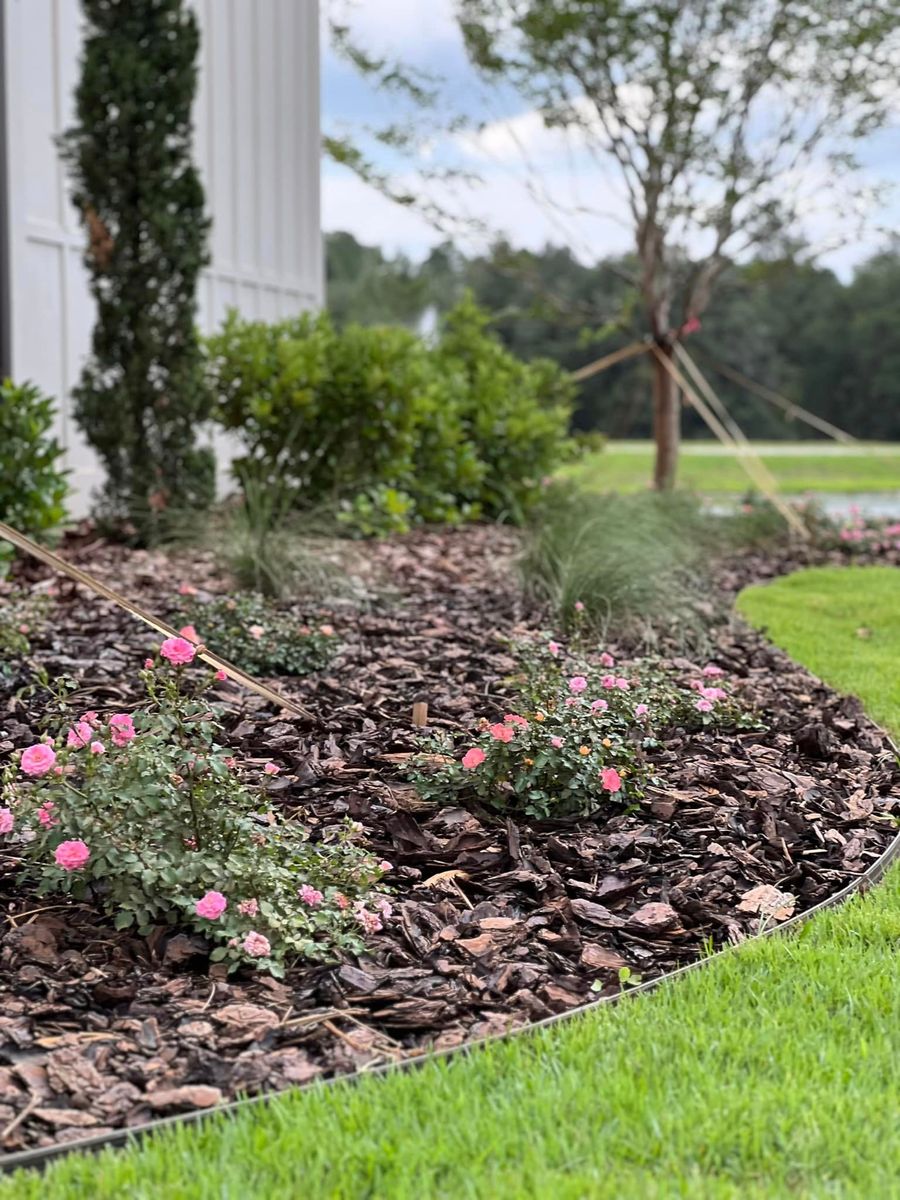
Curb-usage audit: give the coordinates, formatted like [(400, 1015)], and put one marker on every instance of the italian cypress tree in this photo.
[(142, 392)]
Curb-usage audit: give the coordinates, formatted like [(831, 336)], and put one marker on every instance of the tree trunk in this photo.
[(666, 424)]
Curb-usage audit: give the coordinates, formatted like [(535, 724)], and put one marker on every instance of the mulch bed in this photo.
[(496, 922)]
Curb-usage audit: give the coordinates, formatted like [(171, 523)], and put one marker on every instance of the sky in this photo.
[(534, 188)]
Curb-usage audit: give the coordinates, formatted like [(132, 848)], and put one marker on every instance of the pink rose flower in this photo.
[(248, 908), (610, 779), (190, 633), (38, 759), (623, 685), (98, 748), (148, 664), (211, 906), (473, 758), (221, 676), (579, 606), (256, 631), (185, 589), (711, 671), (271, 768), (230, 763), (501, 733), (326, 630), (310, 895), (577, 683), (122, 726), (24, 628), (341, 900), (384, 866), (79, 735), (712, 693), (72, 855), (697, 685), (704, 706), (515, 719), (556, 742), (599, 706), (384, 907), (553, 647), (641, 710), (6, 820), (607, 660), (370, 921), (92, 718), (256, 945), (45, 814), (178, 651), (608, 681)]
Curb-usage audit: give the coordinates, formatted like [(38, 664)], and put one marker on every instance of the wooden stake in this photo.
[(747, 461), (610, 360), (420, 714)]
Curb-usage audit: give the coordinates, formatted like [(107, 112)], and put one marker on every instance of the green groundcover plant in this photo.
[(251, 633), (580, 747), (148, 817)]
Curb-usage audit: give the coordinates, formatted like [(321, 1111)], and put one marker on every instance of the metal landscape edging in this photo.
[(41, 1156)]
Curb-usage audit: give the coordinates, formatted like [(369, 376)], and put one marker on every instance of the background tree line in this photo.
[(831, 346)]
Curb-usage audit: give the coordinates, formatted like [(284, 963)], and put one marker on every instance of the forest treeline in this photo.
[(830, 345)]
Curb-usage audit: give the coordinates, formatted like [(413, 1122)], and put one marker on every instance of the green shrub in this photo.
[(389, 431), (580, 746), (33, 488), (248, 632), (515, 414), (184, 834)]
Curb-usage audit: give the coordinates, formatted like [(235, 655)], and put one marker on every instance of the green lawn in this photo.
[(771, 1073), (844, 624), (706, 467)]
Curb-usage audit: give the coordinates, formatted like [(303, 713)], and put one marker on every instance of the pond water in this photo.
[(842, 504)]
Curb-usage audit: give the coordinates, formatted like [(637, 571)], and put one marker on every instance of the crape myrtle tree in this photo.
[(720, 118), (142, 392)]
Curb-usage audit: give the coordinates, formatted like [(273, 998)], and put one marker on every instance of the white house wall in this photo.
[(257, 145)]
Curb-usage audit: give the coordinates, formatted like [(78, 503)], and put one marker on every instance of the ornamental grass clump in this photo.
[(251, 633), (145, 815), (582, 745)]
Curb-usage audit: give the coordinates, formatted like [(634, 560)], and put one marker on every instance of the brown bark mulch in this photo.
[(497, 922)]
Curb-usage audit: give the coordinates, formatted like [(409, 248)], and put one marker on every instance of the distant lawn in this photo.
[(798, 467), (841, 622), (770, 1074)]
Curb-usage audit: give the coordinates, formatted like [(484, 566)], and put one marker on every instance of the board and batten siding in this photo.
[(257, 146)]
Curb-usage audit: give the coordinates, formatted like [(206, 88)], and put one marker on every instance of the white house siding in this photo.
[(256, 142)]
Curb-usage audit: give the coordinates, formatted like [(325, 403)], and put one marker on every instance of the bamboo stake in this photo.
[(610, 360), (746, 462), (46, 556), (714, 400), (788, 406)]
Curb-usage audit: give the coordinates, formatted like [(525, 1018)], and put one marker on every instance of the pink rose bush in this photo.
[(579, 742), (146, 815), (254, 634)]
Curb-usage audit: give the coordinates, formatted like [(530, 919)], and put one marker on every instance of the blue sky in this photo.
[(533, 190)]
